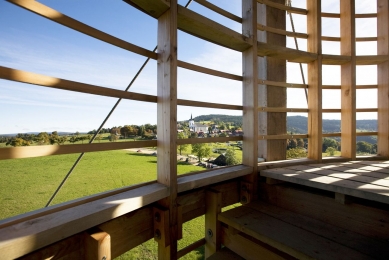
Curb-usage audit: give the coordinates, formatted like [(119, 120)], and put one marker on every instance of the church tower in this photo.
[(191, 123)]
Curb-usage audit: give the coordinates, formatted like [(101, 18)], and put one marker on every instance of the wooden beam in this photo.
[(24, 237), (348, 79), (314, 82), (282, 32), (383, 78), (212, 225), (208, 71), (46, 150), (167, 123), (219, 10), (281, 84), (250, 92), (273, 68), (58, 83), (97, 245), (283, 7)]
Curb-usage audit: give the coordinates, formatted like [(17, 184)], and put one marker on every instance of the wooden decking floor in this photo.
[(363, 179), (300, 236)]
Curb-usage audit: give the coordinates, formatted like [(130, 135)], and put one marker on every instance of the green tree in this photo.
[(62, 139), (364, 147), (18, 142), (141, 131), (231, 158), (73, 139), (329, 142), (182, 147), (201, 150), (42, 138), (331, 151), (54, 137), (291, 144)]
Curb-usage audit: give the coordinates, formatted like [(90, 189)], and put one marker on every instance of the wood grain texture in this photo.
[(383, 78), (167, 124), (314, 81), (46, 150), (97, 244), (283, 7), (212, 226), (219, 10)]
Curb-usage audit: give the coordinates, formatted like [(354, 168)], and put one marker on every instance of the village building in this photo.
[(197, 127)]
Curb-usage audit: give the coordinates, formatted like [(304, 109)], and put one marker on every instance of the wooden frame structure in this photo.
[(158, 209)]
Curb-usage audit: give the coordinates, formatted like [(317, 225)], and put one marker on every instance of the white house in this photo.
[(197, 127)]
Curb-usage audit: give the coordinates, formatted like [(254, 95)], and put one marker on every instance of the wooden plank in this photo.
[(191, 103), (97, 245), (294, 241), (250, 93), (152, 8), (46, 150), (283, 163), (62, 19), (329, 59), (167, 124), (283, 109), (262, 27), (365, 191), (219, 10), (376, 248), (21, 238), (280, 137), (348, 79), (371, 59), (281, 84), (208, 71), (207, 178), (343, 173), (357, 86), (383, 78), (212, 225), (186, 250), (283, 7), (358, 39), (273, 68), (209, 140), (69, 248), (365, 220), (204, 28), (129, 230), (315, 81), (57, 83), (283, 53)]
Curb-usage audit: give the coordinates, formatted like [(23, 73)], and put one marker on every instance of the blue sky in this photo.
[(32, 43)]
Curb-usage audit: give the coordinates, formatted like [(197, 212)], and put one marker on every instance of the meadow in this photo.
[(27, 184)]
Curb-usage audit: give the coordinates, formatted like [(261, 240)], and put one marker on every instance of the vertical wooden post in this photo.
[(314, 81), (213, 200), (383, 78), (167, 121), (273, 69), (250, 91), (97, 245), (348, 79)]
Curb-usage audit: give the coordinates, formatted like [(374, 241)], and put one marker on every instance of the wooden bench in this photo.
[(366, 180), (281, 234)]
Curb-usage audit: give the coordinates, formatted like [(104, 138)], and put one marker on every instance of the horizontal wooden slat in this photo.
[(60, 18), (22, 238), (334, 15), (57, 83), (283, 109), (209, 140), (262, 27), (329, 59), (206, 178), (281, 84), (358, 110), (281, 137), (46, 150), (371, 59), (357, 87), (212, 72), (291, 55), (284, 163), (191, 103), (219, 10), (330, 38), (186, 250), (366, 133), (366, 39), (204, 28), (283, 7)]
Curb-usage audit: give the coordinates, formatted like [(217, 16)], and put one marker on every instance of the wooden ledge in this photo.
[(206, 178), (21, 238), (284, 163)]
